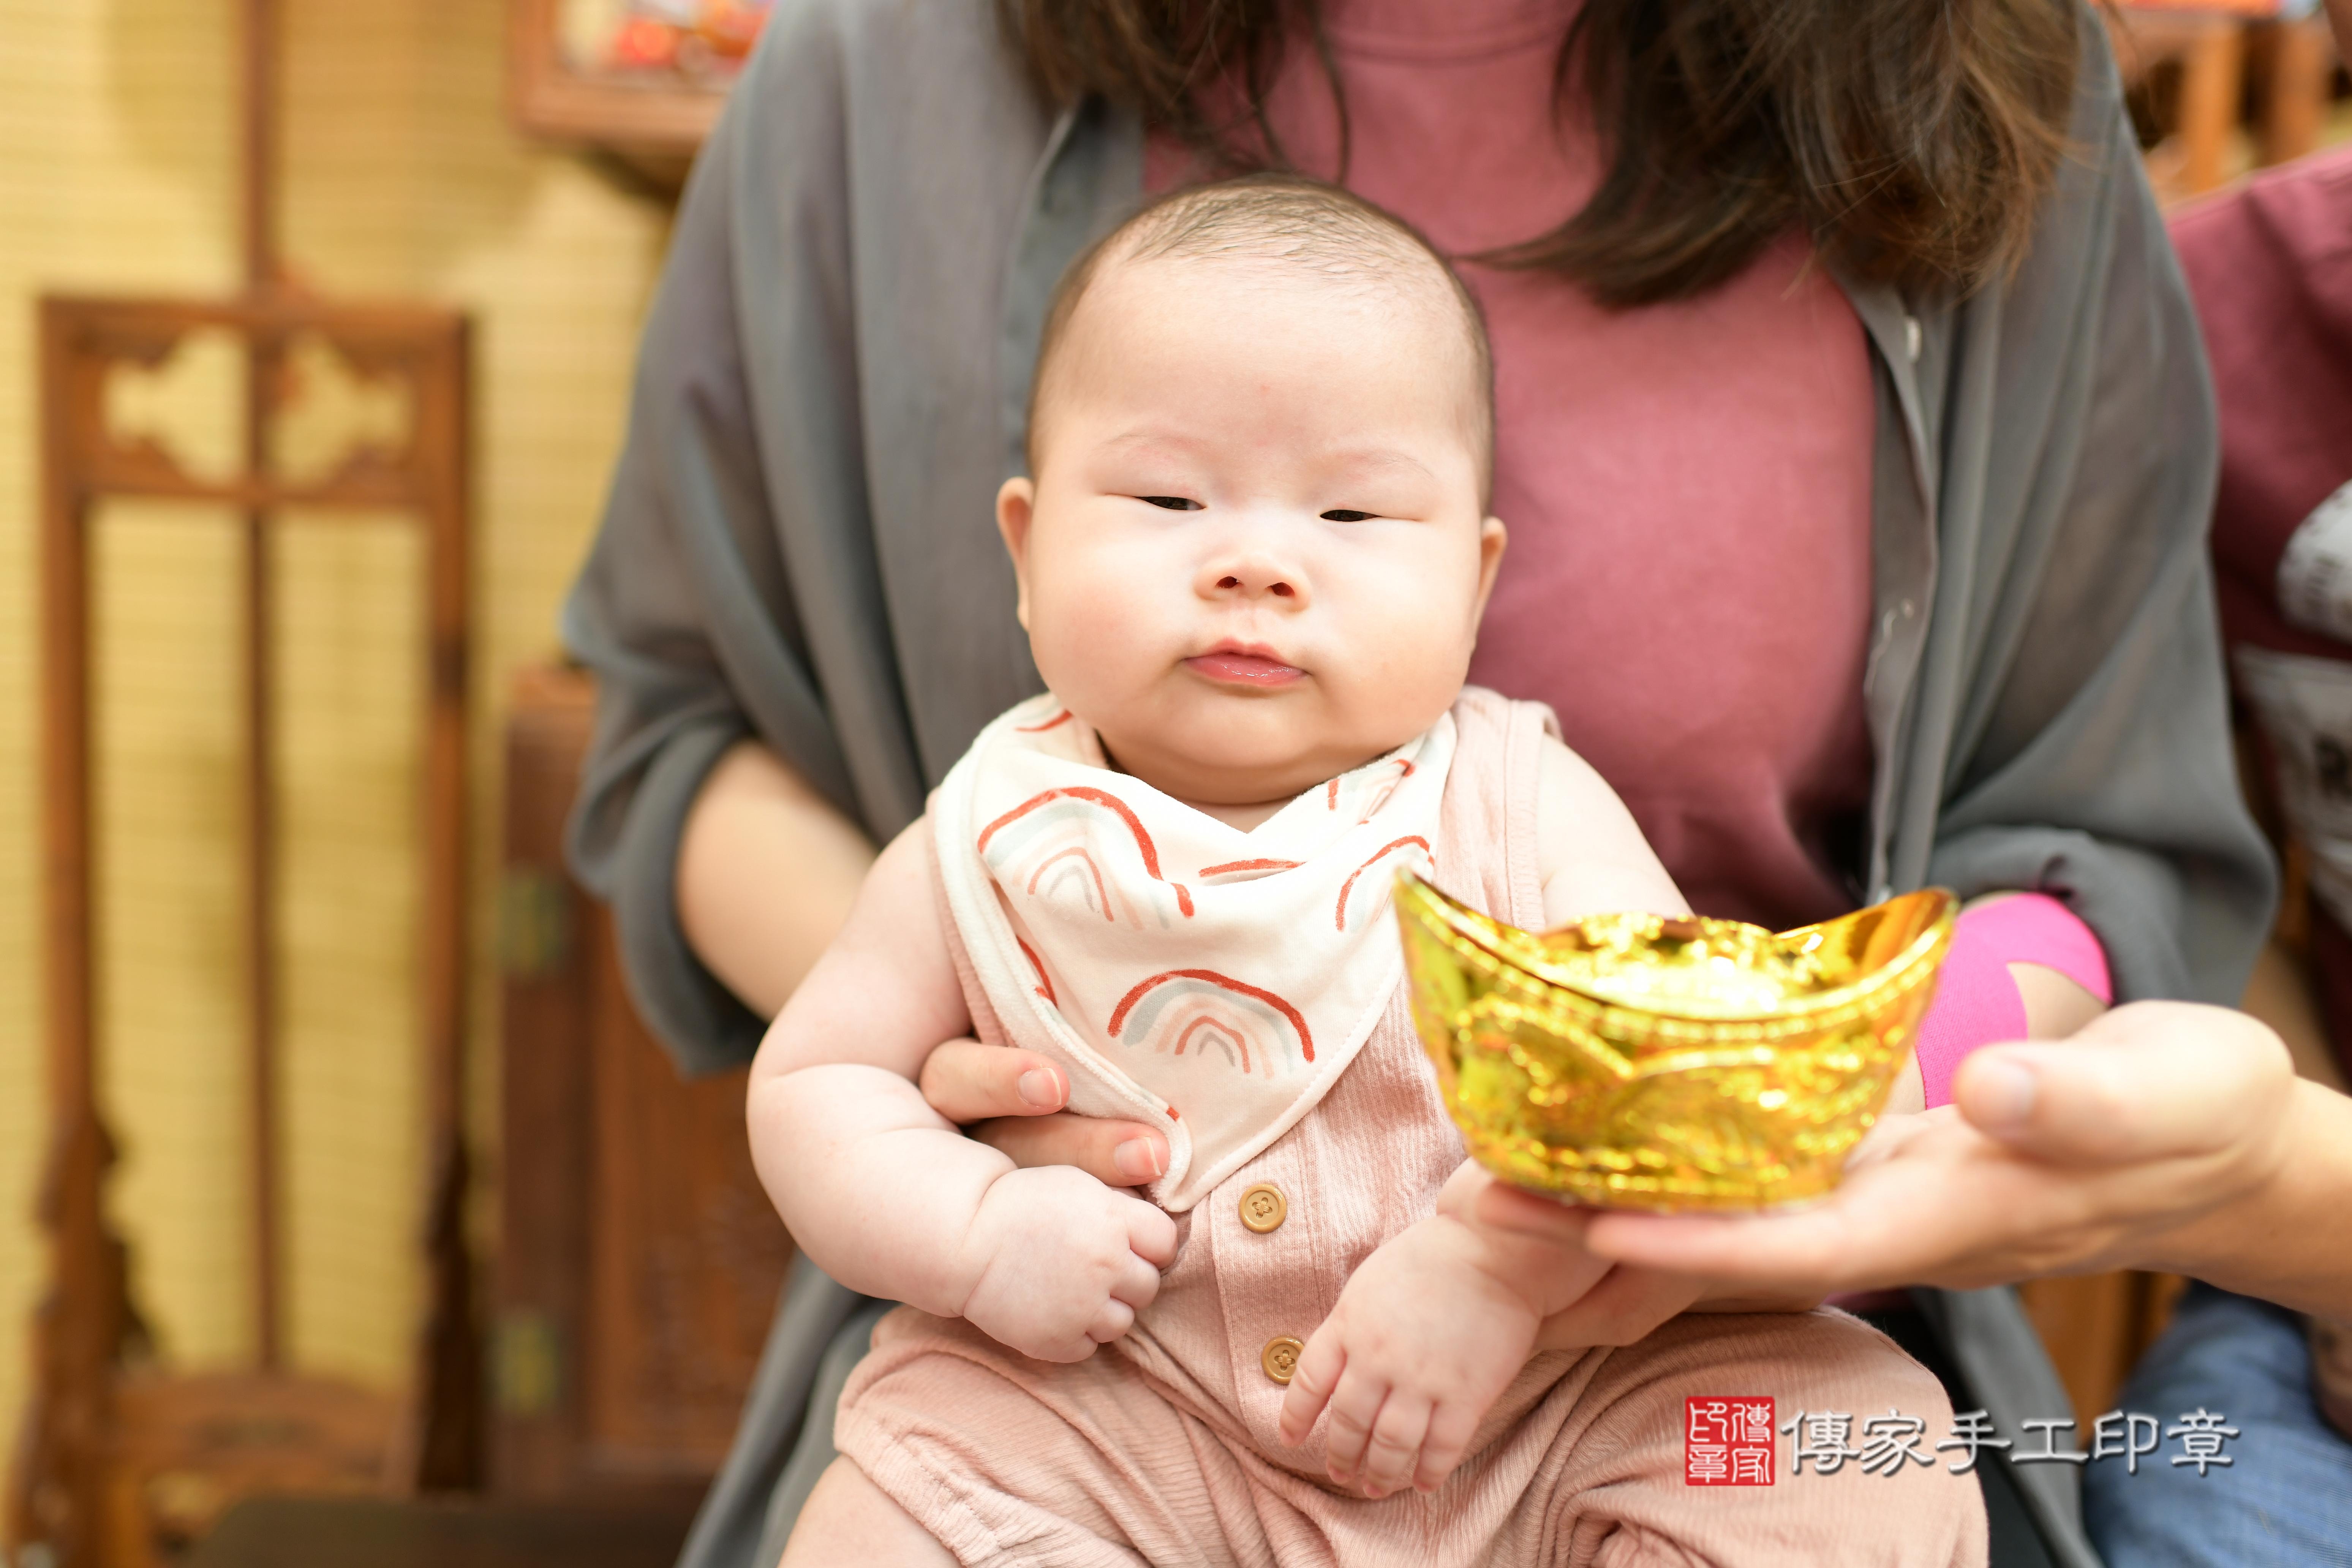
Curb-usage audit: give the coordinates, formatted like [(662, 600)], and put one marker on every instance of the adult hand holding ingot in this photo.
[(1637, 1061)]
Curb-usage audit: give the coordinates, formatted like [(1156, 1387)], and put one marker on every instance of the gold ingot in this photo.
[(1635, 1061)]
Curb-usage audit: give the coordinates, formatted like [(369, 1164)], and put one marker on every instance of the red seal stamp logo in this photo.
[(1727, 1442)]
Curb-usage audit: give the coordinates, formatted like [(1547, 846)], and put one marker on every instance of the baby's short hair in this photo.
[(1288, 220)]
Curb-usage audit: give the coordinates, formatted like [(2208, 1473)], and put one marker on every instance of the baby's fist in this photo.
[(1061, 1263)]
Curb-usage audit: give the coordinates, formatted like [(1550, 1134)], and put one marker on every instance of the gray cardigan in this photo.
[(800, 546)]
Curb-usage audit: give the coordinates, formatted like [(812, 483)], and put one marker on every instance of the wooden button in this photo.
[(1280, 1357), (1263, 1208)]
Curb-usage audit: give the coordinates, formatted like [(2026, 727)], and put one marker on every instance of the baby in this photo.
[(1252, 559)]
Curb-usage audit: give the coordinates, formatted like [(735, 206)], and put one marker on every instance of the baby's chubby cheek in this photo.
[(1100, 646), (1415, 659)]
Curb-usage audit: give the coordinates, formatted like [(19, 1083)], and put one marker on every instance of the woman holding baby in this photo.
[(1847, 426)]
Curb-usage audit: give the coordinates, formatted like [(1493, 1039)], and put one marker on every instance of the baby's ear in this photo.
[(1016, 507), (1492, 537)]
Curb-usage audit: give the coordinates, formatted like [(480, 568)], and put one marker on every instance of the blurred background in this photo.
[(515, 165)]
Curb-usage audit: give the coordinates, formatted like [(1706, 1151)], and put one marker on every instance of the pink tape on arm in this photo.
[(1975, 998)]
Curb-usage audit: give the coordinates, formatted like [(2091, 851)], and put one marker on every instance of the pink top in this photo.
[(1977, 999), (1687, 485)]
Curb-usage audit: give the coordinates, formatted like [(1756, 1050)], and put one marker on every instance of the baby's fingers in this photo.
[(1075, 1347), (1151, 1234), (1396, 1442), (1311, 1382), (1115, 1319), (1355, 1411), (1138, 1283), (1451, 1426)]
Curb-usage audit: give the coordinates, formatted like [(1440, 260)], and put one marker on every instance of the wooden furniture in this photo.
[(652, 122), (2208, 45), (122, 1462), (2296, 69), (2221, 47), (640, 1263)]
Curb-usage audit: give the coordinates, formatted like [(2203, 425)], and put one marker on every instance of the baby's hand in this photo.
[(1060, 1263), (1425, 1337)]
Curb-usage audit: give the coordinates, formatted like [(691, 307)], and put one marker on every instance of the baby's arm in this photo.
[(1589, 850), (885, 1194), (1434, 1326)]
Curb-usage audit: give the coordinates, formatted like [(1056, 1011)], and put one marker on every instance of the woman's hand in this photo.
[(2164, 1135), (1013, 1101)]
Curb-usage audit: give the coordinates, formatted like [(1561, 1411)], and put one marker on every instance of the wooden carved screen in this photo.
[(121, 1460), (99, 1436)]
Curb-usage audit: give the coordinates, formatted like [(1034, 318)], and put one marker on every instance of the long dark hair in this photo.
[(1912, 139)]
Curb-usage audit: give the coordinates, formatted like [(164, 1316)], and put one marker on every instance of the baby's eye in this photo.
[(1173, 503), (1341, 514)]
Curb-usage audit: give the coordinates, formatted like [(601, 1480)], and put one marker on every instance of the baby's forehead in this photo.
[(1238, 307), (1243, 305), (1390, 274)]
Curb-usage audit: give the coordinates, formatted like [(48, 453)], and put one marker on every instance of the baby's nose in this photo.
[(1253, 573)]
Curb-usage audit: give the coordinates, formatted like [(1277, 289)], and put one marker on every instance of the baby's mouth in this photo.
[(1234, 664)]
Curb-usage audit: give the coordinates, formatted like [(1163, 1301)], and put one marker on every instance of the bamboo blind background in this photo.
[(400, 178)]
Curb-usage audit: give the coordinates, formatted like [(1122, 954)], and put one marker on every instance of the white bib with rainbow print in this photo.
[(1183, 971)]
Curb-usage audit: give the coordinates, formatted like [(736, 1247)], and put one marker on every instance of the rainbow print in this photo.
[(1200, 1012), (1066, 845)]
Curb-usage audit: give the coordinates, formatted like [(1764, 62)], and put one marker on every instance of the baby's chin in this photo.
[(1223, 767)]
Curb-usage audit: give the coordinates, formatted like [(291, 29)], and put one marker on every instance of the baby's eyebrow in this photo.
[(1367, 457), (1341, 460), (1155, 436), (1377, 457)]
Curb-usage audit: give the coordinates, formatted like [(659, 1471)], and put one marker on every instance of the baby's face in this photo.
[(1253, 554)]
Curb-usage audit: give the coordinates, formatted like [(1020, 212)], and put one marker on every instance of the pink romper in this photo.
[(1163, 1449)]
